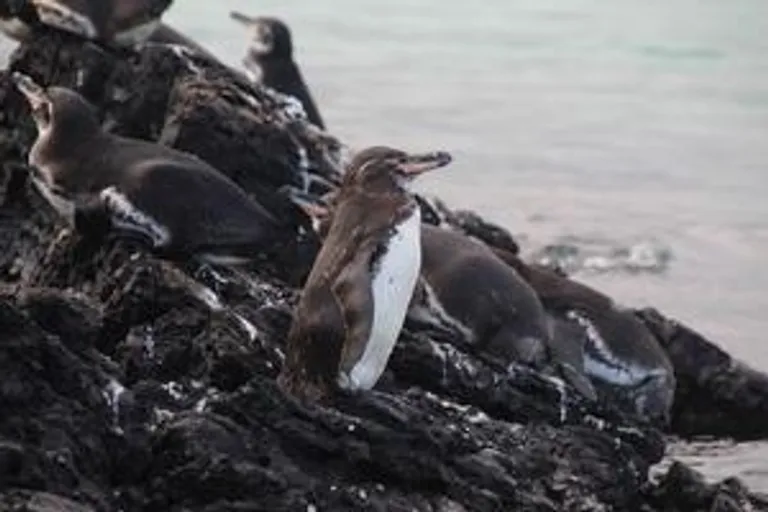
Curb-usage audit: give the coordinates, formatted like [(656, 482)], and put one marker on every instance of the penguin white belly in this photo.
[(392, 287), (601, 364)]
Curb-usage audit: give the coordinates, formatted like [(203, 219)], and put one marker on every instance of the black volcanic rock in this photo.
[(129, 385), (682, 489), (716, 394)]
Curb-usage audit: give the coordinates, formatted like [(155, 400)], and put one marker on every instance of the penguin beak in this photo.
[(242, 18), (35, 94), (261, 42), (414, 165)]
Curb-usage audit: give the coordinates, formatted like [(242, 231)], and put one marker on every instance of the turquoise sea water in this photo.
[(603, 125)]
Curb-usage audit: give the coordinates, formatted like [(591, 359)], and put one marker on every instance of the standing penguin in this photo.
[(354, 302), (270, 61)]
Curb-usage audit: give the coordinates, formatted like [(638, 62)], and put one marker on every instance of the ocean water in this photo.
[(624, 129)]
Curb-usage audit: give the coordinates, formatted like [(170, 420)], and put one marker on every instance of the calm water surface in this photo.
[(611, 123)]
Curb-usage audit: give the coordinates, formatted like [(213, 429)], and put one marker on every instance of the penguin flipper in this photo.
[(578, 380), (566, 351), (354, 297)]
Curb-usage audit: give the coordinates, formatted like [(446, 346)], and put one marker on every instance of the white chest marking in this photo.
[(601, 364), (125, 215), (392, 288)]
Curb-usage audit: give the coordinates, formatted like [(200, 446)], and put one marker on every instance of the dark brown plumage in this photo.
[(332, 322), (487, 297)]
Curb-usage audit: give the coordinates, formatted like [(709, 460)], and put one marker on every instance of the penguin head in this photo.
[(61, 115), (271, 37), (379, 166)]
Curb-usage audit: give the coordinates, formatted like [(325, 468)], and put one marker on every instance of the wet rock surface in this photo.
[(717, 395), (128, 385)]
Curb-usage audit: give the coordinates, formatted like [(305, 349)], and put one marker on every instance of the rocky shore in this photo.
[(123, 389)]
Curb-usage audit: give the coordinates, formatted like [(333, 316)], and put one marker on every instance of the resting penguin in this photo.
[(466, 289), (355, 299), (174, 201), (270, 61), (621, 356), (471, 288)]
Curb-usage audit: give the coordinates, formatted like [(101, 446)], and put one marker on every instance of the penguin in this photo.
[(270, 61), (468, 286), (620, 355), (175, 202), (465, 289), (353, 304)]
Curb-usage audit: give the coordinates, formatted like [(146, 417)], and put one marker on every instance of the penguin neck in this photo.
[(54, 147)]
